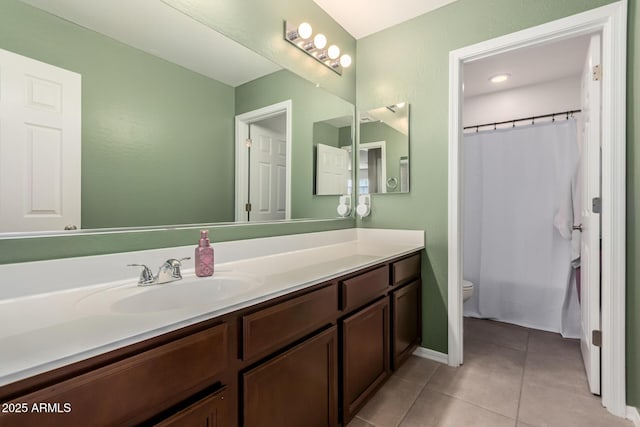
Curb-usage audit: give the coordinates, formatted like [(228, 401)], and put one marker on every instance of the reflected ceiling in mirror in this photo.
[(158, 108), (383, 158)]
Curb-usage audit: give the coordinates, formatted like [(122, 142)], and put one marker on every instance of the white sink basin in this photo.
[(187, 294)]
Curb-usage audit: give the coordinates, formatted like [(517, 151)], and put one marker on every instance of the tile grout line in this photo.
[(474, 404), (418, 395), (524, 370)]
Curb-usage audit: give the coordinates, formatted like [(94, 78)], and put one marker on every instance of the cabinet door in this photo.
[(208, 412), (365, 341), (297, 388), (133, 389), (406, 321)]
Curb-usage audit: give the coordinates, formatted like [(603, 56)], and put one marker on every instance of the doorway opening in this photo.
[(528, 229), (610, 22), (263, 164)]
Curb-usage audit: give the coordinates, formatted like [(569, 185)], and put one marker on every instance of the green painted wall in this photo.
[(633, 209), (259, 26), (24, 250), (418, 73), (345, 136), (310, 105), (396, 146), (324, 133), (143, 119)]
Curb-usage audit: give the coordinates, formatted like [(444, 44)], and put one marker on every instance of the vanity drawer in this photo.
[(131, 390), (364, 288), (405, 270), (274, 327)]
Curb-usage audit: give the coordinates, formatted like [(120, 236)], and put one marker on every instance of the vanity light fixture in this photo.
[(499, 78), (301, 36), (320, 41)]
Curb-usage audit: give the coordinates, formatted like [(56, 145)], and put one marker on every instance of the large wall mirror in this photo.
[(174, 118), (383, 150)]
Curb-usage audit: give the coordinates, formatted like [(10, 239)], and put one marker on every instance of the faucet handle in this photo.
[(146, 275), (174, 265)]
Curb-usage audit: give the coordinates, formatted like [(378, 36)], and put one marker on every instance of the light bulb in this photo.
[(400, 105), (305, 30), (320, 41), (500, 78), (334, 51), (345, 61)]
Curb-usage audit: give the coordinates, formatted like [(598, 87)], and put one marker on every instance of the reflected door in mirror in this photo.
[(268, 165), (39, 145), (332, 170)]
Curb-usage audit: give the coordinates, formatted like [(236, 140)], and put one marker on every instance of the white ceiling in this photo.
[(394, 116), (156, 28), (173, 36), (364, 17), (527, 66)]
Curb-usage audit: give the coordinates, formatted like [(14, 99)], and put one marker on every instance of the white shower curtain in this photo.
[(516, 180)]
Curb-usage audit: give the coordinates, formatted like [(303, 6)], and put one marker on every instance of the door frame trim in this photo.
[(242, 122), (611, 21), (383, 146)]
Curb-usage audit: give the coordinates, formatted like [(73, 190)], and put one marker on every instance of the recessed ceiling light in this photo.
[(499, 78)]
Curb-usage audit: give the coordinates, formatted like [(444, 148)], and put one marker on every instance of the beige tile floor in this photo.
[(512, 376)]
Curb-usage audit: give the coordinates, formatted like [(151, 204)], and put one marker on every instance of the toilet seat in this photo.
[(467, 284)]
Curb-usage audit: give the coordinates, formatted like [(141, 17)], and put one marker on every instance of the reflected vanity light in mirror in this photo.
[(383, 150), (329, 57), (157, 127)]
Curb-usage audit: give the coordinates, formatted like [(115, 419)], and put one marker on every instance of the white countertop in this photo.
[(50, 326)]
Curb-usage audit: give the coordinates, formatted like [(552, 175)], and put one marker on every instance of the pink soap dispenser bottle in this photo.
[(204, 256)]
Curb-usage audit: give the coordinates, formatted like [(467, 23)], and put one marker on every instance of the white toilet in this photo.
[(467, 290)]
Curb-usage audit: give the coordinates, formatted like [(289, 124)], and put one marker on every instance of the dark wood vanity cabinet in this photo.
[(405, 309), (309, 358), (296, 388), (406, 333), (131, 390), (365, 355), (211, 411)]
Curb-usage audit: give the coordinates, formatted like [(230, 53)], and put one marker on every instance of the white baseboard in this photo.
[(426, 353), (633, 415)]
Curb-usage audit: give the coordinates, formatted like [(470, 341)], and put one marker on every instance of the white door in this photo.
[(40, 138), (332, 170), (268, 169), (590, 241)]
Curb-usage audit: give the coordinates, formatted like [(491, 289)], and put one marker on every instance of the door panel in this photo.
[(332, 170), (296, 388), (590, 236), (40, 145), (268, 174), (365, 344)]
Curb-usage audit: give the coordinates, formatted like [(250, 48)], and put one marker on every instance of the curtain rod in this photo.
[(533, 118)]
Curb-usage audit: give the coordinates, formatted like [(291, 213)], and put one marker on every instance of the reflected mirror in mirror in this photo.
[(383, 151), (155, 121), (332, 140)]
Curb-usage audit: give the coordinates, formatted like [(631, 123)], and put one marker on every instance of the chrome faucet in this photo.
[(168, 272)]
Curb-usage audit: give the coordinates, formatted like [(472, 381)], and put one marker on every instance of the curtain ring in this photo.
[(553, 117), (567, 115), (513, 124), (533, 122), (494, 126), (477, 129)]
